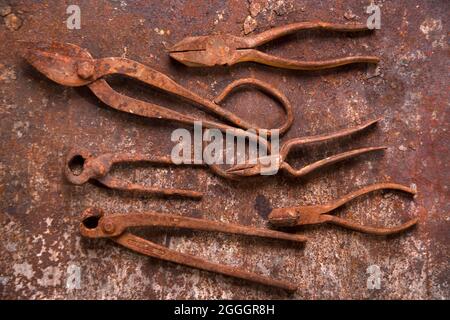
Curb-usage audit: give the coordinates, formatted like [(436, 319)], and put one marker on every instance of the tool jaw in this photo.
[(90, 223), (283, 217), (64, 63), (81, 166), (94, 224), (272, 163), (298, 216), (208, 51)]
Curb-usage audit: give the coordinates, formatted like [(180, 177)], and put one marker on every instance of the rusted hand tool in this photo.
[(70, 65), (248, 169), (82, 166), (316, 214), (94, 224), (207, 51)]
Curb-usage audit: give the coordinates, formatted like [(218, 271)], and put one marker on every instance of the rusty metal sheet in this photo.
[(42, 254)]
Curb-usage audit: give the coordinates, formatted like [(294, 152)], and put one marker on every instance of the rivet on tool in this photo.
[(85, 69), (108, 227)]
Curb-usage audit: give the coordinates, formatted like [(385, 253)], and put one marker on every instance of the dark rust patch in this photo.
[(262, 206)]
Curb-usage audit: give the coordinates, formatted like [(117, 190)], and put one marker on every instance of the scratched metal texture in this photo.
[(41, 251)]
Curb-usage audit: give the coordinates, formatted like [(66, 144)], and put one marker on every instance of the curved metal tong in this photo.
[(94, 224), (207, 51), (70, 65), (317, 214)]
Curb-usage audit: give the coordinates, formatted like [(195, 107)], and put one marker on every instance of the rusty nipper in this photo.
[(94, 224)]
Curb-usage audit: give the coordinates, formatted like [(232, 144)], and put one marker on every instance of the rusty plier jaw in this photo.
[(64, 63), (208, 51), (90, 225)]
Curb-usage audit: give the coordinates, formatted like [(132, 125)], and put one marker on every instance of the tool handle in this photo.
[(151, 249), (252, 55), (153, 219), (127, 104), (381, 231), (281, 31), (327, 161), (120, 102), (159, 80), (117, 184), (268, 89), (373, 187)]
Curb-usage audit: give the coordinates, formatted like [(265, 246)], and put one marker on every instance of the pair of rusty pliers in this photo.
[(70, 65), (317, 214), (207, 51), (94, 224), (260, 165), (81, 167)]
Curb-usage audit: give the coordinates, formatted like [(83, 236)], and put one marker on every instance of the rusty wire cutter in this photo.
[(70, 65), (94, 224), (259, 166), (207, 51), (317, 214)]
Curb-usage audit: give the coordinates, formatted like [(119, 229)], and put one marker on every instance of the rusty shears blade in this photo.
[(207, 51), (82, 166), (258, 168), (70, 65), (94, 224), (317, 214)]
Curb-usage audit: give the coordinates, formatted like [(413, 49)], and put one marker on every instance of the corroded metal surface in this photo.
[(44, 256)]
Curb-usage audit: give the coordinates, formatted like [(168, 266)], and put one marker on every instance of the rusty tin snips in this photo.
[(318, 214), (208, 51), (94, 224), (70, 65)]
